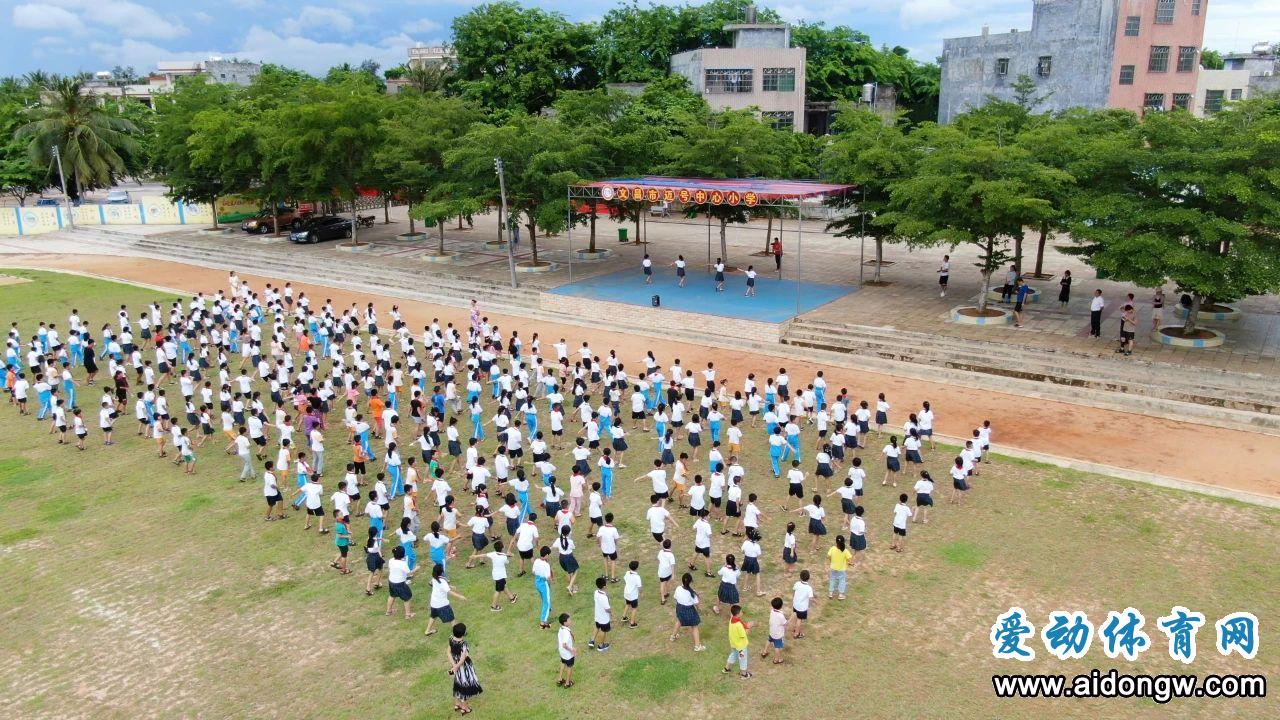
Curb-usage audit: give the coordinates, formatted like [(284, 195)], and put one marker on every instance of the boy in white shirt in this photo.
[(631, 583)]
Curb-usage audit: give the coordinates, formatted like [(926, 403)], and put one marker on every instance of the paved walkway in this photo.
[(907, 298)]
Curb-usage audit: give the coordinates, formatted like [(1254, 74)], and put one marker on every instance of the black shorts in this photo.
[(274, 499), (526, 554), (604, 627), (794, 490), (900, 531), (657, 536), (318, 512), (342, 550), (597, 521), (260, 441), (500, 585), (942, 280), (633, 603), (610, 556), (637, 415), (705, 552), (567, 662), (801, 614)]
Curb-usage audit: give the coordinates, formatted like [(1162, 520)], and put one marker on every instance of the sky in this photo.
[(66, 36)]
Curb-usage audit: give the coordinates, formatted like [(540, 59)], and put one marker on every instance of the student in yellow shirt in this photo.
[(839, 557), (737, 642)]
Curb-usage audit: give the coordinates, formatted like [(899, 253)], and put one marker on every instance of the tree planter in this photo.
[(1173, 335), (528, 266), (590, 256), (444, 259), (966, 315), (1032, 297), (348, 247), (215, 231), (495, 243), (412, 236), (1211, 313)]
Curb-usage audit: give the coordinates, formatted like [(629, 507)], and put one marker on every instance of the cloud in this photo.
[(43, 17), (124, 16), (316, 56), (312, 17), (421, 26)]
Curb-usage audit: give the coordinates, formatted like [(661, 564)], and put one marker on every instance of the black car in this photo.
[(324, 227)]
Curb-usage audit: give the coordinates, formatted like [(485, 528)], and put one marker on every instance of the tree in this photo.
[(840, 60), (92, 141), (430, 77), (176, 135), (734, 144), (1024, 93), (1211, 60), (19, 177), (328, 142), (417, 131), (965, 190), (1188, 200), (872, 156), (514, 60), (541, 159)]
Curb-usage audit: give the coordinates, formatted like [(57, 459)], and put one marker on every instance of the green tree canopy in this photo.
[(176, 135), (93, 141), (1188, 200)]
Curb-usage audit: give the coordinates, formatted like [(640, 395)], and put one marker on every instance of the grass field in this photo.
[(131, 590)]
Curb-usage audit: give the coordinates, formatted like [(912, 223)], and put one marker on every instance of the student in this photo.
[(631, 584), (728, 590), (646, 266), (924, 498), (777, 630), (342, 540), (603, 615), (608, 537), (1023, 291), (882, 414), (373, 561), (702, 542), (398, 574), (959, 481), (848, 498), (817, 515), (441, 591), (857, 535), (525, 537), (892, 461), (738, 643), (658, 517), (901, 513), (568, 653), (686, 600), (839, 557), (680, 265), (498, 560), (801, 597), (568, 563), (719, 269), (311, 493), (751, 552), (944, 274), (789, 558), (751, 281), (542, 583)]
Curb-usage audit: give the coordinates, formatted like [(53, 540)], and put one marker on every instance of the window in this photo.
[(1044, 66), (1126, 74), (729, 81), (1164, 11), (1153, 101), (1159, 60), (780, 119), (1212, 101), (779, 79), (1132, 25), (1195, 7), (1186, 59), (1002, 66), (1182, 101), (1237, 94)]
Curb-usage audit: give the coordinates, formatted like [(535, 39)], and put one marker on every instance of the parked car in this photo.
[(265, 221), (118, 197), (323, 227)]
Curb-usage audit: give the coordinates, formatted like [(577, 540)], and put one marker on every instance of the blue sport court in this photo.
[(774, 302)]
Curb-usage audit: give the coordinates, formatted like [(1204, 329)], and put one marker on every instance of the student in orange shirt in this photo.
[(376, 406)]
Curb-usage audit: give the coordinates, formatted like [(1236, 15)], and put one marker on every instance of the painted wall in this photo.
[(148, 211), (693, 64), (1187, 30)]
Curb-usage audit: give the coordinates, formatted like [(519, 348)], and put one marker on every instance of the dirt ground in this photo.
[(1232, 459)]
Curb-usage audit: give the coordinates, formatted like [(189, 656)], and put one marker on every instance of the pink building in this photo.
[(1157, 54)]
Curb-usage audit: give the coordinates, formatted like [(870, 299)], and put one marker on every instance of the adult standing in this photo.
[(466, 684), (1157, 309), (944, 275), (1096, 306), (1064, 289), (1010, 282), (776, 249)]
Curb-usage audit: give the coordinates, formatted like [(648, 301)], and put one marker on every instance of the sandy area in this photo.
[(1232, 459)]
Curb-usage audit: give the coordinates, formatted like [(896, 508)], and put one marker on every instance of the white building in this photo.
[(424, 55), (761, 70), (232, 72), (1242, 75)]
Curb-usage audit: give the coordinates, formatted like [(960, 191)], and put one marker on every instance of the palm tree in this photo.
[(93, 143), (430, 77)]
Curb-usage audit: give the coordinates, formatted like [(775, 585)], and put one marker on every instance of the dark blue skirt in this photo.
[(892, 464), (728, 593), (881, 418), (569, 563), (858, 542), (687, 615), (751, 565), (816, 527)]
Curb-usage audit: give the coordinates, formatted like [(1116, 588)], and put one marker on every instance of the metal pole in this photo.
[(782, 232), (799, 248), (502, 189), (862, 253), (62, 179), (569, 195), (708, 239)]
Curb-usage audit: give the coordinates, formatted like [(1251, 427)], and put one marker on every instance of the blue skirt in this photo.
[(858, 542), (751, 565), (847, 506), (569, 563), (687, 615), (816, 527), (728, 593), (914, 456), (892, 464), (881, 417)]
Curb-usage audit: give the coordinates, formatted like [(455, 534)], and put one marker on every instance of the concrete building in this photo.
[(423, 55), (761, 70), (234, 72), (1243, 75), (1136, 54)]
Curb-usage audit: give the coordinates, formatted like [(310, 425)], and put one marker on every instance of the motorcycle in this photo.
[(364, 221)]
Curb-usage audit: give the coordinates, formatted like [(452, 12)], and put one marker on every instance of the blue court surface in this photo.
[(774, 302)]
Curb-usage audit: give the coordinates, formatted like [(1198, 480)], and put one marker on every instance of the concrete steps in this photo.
[(1232, 390)]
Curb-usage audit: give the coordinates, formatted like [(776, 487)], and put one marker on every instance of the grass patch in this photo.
[(60, 509), (17, 472), (14, 537), (277, 589), (964, 554), (196, 503), (653, 677), (408, 658)]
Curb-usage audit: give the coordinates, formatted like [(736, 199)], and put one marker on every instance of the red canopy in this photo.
[(710, 190)]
